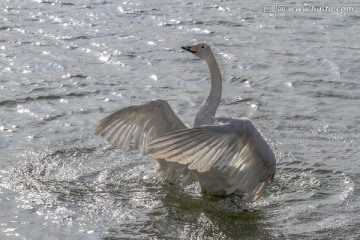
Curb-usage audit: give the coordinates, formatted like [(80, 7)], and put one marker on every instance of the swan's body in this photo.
[(229, 158)]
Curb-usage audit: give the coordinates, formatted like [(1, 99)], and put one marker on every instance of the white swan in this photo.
[(225, 155)]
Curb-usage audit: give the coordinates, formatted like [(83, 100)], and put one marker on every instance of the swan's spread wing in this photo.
[(227, 158), (139, 124)]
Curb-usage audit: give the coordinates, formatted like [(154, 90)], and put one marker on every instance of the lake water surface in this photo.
[(64, 65)]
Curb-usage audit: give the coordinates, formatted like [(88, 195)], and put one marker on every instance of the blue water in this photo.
[(65, 65)]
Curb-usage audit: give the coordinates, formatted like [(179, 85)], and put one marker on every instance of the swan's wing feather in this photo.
[(231, 157), (138, 124)]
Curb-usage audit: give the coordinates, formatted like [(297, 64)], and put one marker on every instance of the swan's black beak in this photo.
[(188, 48)]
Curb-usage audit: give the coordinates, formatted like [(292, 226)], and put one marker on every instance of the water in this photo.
[(66, 65)]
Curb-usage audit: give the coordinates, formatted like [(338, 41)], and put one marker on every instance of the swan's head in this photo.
[(200, 50)]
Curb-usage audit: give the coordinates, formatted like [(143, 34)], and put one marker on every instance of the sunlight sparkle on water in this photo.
[(154, 77)]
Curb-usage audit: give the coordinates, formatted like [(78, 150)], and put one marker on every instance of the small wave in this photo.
[(74, 38), (78, 75), (240, 101), (44, 97), (332, 94)]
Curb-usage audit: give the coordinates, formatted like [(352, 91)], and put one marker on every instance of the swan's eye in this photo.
[(202, 47)]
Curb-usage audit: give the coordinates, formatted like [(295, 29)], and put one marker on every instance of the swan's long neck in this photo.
[(207, 110)]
